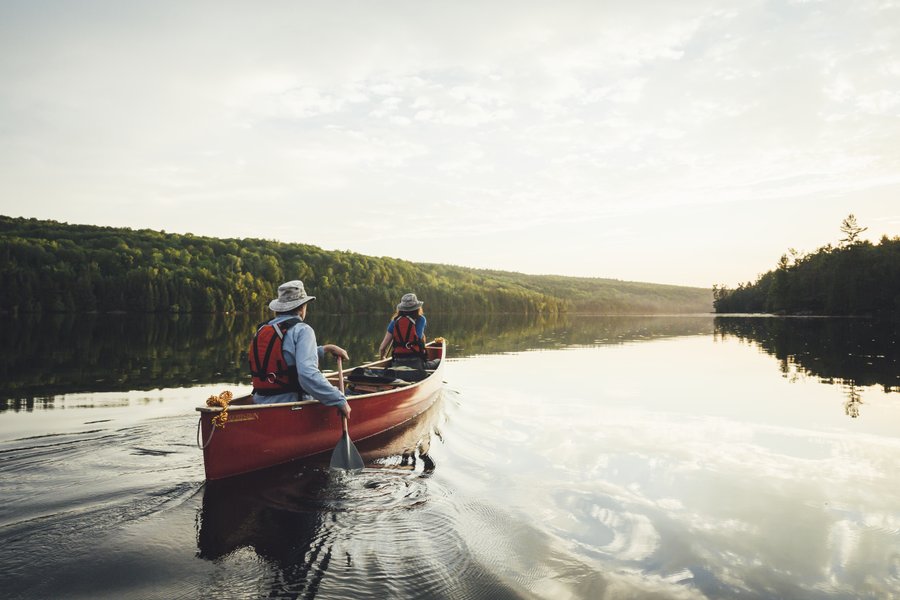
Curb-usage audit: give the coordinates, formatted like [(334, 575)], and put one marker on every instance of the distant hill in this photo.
[(53, 266)]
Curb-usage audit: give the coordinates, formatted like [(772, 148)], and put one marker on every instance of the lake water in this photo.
[(573, 457)]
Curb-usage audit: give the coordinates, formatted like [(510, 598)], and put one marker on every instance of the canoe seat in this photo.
[(357, 387), (371, 375), (375, 375)]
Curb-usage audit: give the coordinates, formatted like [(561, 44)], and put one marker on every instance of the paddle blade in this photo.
[(345, 455)]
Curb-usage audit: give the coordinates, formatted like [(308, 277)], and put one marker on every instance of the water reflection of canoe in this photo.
[(276, 509), (256, 436)]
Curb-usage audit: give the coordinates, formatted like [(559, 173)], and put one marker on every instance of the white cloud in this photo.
[(517, 115)]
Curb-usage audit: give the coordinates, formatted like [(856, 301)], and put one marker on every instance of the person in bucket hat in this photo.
[(405, 335), (291, 295), (293, 373)]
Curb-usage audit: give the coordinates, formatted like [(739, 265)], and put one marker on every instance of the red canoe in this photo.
[(256, 436)]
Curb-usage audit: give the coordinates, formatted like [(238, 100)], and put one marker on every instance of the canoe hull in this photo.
[(260, 436)]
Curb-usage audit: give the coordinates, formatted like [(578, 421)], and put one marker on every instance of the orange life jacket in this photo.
[(406, 340), (271, 374)]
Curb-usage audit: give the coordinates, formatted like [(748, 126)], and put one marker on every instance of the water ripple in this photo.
[(376, 533), (369, 490)]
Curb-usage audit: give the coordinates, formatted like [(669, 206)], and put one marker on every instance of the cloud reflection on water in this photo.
[(671, 472)]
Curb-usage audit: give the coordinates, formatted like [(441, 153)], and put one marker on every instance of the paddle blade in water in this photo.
[(345, 455)]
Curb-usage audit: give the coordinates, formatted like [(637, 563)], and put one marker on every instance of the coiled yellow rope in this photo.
[(221, 400)]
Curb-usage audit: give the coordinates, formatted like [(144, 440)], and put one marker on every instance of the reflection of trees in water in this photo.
[(852, 353), (489, 334), (851, 405), (42, 355)]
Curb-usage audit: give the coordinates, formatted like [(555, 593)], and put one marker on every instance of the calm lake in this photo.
[(570, 457)]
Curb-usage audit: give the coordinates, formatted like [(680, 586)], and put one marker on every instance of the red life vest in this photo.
[(406, 340), (271, 374)]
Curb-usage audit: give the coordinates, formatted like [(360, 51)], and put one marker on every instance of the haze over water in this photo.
[(578, 457)]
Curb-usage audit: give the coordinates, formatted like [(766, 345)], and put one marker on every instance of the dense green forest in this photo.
[(47, 266), (854, 278)]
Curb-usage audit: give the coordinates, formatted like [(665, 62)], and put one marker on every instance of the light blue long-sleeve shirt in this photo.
[(300, 350)]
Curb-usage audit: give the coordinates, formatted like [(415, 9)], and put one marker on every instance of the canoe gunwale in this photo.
[(353, 398)]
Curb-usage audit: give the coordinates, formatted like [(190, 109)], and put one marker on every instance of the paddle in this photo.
[(345, 454)]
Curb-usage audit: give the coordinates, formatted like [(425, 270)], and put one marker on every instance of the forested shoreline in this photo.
[(48, 266), (855, 278)]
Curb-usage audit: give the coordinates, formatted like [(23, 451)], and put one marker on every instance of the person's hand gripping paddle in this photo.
[(345, 455)]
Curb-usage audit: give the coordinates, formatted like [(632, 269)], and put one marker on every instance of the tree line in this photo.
[(856, 277), (48, 266)]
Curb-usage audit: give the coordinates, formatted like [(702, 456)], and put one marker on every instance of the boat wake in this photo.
[(381, 532)]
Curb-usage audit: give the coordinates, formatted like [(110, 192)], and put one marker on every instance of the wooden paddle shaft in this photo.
[(341, 387)]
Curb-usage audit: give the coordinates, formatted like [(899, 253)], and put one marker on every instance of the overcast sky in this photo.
[(689, 142)]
